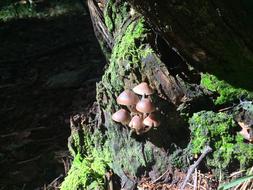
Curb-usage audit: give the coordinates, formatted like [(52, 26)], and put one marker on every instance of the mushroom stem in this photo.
[(145, 115), (143, 96), (132, 109)]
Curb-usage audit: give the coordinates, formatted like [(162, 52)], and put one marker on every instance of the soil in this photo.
[(48, 72)]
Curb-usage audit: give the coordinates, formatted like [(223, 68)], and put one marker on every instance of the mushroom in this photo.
[(121, 116), (137, 124), (145, 106), (151, 121), (143, 89), (127, 98)]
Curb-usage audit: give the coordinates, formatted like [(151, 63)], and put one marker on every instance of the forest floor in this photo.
[(48, 71)]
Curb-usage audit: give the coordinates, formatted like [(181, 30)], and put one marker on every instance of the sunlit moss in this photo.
[(227, 93), (87, 171), (127, 47), (218, 130)]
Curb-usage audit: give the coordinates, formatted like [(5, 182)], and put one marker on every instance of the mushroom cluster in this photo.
[(140, 113)]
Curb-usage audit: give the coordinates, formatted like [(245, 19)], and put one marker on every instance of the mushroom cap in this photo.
[(151, 121), (143, 89), (136, 123), (145, 106), (127, 98), (121, 116)]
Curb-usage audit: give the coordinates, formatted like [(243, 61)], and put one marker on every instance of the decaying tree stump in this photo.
[(197, 55)]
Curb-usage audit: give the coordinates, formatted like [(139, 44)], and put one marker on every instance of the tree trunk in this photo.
[(197, 55)]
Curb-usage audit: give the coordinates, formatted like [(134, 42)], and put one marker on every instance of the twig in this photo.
[(56, 179), (238, 187), (192, 167), (195, 180), (226, 109), (248, 182), (201, 187), (236, 173), (156, 180), (29, 160), (251, 187), (198, 174)]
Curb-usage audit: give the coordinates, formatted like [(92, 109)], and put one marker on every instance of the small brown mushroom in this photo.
[(151, 121), (137, 124), (145, 106), (121, 116), (128, 98), (143, 89)]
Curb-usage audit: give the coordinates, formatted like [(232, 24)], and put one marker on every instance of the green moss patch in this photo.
[(127, 54), (87, 172), (218, 130), (115, 15), (227, 93), (128, 154), (127, 46)]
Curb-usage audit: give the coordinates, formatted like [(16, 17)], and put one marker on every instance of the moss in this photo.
[(109, 15), (83, 174), (74, 144), (87, 172), (246, 158), (227, 93), (125, 150), (114, 15), (218, 130), (179, 158), (126, 48), (206, 125)]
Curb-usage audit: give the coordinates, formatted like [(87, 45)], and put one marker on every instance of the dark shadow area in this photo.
[(174, 61), (173, 128), (213, 36), (48, 71)]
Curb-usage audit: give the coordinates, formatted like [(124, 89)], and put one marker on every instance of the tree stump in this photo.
[(196, 56)]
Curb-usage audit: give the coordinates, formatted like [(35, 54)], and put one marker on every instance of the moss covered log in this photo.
[(197, 63)]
